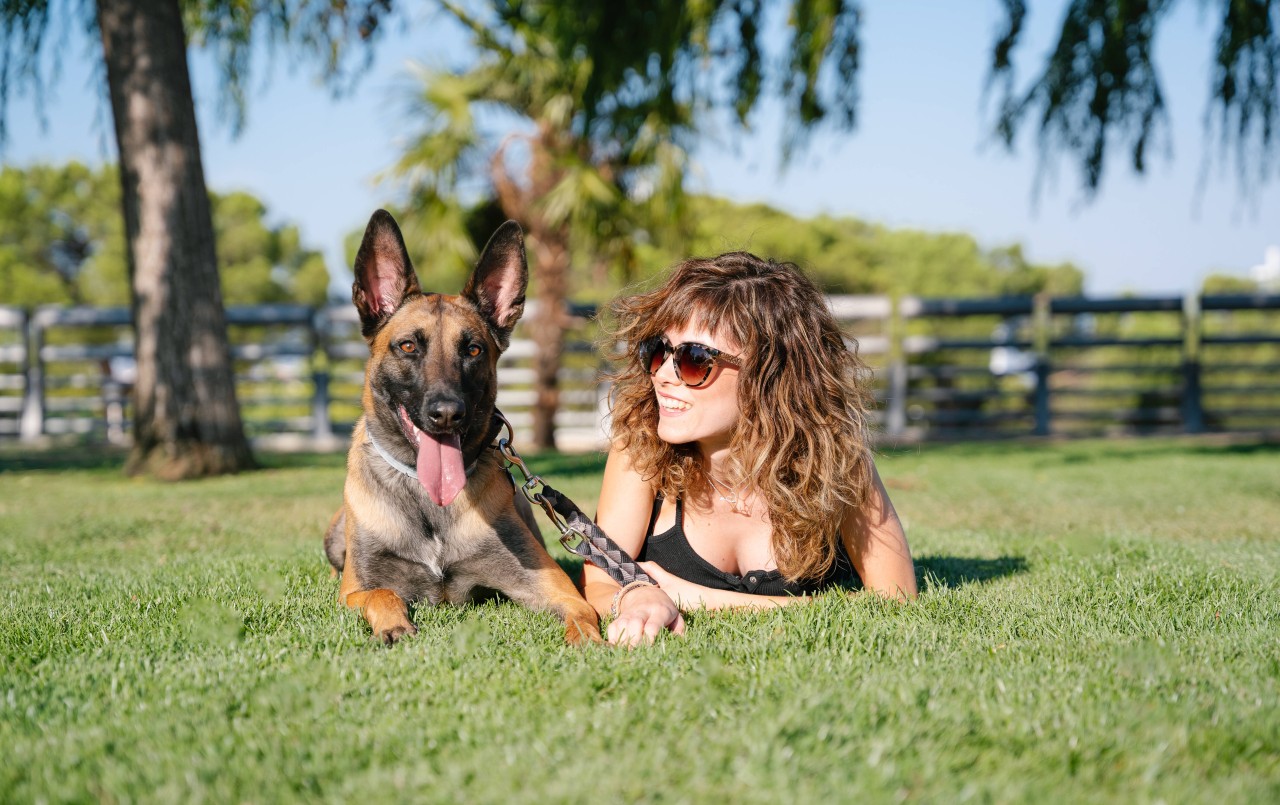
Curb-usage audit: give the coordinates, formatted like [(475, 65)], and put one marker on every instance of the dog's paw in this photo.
[(580, 633), (393, 634)]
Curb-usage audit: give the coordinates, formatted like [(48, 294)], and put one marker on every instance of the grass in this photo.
[(1098, 621)]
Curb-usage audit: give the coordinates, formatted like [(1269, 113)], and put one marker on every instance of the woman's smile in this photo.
[(670, 406)]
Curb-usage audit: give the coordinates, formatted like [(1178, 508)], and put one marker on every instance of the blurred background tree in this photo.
[(186, 420), (607, 97), (61, 236), (1228, 284), (846, 255), (1100, 87), (260, 263), (61, 242)]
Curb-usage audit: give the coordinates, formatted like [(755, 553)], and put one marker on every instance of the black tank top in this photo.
[(673, 553)]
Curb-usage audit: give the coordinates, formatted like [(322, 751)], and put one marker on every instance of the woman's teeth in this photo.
[(673, 405)]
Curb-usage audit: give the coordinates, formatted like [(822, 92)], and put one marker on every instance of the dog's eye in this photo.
[(474, 350), (407, 347)]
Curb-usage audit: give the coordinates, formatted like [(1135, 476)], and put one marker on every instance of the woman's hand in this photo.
[(643, 613)]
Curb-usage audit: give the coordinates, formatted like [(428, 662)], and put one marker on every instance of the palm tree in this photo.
[(574, 190)]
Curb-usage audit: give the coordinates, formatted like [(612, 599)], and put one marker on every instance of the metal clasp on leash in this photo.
[(571, 538)]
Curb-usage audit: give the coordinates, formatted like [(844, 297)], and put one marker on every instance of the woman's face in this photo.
[(706, 414)]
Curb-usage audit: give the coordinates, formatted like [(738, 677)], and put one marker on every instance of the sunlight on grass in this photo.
[(1097, 622)]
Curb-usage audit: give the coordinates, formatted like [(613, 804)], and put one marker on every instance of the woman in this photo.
[(740, 473)]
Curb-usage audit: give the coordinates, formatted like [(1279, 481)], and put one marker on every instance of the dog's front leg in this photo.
[(526, 573), (554, 592), (386, 612)]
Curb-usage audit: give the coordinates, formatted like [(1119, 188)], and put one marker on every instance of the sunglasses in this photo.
[(693, 361)]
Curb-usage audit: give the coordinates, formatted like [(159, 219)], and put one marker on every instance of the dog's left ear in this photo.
[(498, 284)]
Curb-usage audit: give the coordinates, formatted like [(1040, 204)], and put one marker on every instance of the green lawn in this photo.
[(1097, 621)]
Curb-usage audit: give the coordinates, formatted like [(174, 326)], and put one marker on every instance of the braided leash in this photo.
[(585, 539), (578, 534)]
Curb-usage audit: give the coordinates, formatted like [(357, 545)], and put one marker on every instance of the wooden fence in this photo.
[(941, 368)]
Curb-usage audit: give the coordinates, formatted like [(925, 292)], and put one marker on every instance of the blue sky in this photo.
[(921, 156)]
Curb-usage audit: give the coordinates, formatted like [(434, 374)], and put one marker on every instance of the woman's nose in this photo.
[(672, 377)]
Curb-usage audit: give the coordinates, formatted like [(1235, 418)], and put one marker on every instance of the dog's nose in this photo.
[(446, 414)]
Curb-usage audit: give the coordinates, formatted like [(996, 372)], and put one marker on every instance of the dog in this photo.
[(428, 512)]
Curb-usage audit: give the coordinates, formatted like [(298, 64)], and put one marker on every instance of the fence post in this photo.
[(32, 427), (113, 402), (1042, 322), (1192, 392), (896, 416), (321, 424)]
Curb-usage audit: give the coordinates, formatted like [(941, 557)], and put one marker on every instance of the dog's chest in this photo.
[(422, 551), (440, 542), (420, 564)]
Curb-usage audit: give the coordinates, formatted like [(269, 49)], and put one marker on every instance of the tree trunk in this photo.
[(547, 328), (186, 420), (549, 242)]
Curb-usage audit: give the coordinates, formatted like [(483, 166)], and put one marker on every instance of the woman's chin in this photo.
[(679, 430)]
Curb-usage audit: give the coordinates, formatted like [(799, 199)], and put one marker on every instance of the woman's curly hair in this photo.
[(802, 439)]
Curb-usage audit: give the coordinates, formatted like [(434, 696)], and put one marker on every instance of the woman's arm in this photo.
[(877, 544), (623, 513), (626, 502)]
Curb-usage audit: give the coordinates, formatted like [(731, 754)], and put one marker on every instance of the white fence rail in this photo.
[(972, 368)]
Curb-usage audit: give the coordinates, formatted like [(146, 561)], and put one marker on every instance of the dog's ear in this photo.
[(384, 275), (498, 284)]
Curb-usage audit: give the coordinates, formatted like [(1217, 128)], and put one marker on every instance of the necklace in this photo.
[(730, 495)]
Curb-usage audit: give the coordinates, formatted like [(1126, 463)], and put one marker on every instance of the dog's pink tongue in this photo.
[(440, 469)]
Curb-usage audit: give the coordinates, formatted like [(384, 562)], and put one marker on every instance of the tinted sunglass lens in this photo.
[(653, 353), (656, 358), (694, 363)]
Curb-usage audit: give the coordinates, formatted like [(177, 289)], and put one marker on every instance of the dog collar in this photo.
[(395, 463), (405, 469)]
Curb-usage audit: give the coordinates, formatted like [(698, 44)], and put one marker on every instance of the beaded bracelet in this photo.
[(617, 597)]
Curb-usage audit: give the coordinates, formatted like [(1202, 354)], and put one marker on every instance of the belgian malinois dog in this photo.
[(428, 512)]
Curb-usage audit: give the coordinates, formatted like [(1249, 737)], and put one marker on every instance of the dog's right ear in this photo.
[(384, 275)]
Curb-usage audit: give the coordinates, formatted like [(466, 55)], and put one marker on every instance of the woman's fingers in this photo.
[(678, 626), (651, 629), (616, 629), (654, 570), (631, 633), (632, 629), (626, 630)]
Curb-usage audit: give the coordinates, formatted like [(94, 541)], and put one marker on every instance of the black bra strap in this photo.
[(653, 516)]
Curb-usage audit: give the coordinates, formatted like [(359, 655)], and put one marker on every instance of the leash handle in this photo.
[(578, 534)]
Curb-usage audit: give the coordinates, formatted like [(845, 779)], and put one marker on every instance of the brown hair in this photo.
[(802, 438)]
